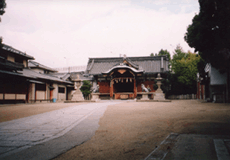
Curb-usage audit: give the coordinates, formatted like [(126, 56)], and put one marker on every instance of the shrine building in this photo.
[(122, 77)]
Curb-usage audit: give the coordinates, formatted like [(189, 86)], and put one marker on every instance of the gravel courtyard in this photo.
[(131, 130)]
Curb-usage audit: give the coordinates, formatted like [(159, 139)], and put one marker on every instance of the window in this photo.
[(19, 60), (61, 90)]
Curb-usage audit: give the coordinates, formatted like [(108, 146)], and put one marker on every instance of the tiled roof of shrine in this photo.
[(147, 64)]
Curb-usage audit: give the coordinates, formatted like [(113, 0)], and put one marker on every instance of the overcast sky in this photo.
[(64, 33)]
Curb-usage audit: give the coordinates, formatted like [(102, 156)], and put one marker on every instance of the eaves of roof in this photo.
[(15, 51), (122, 67), (38, 76), (33, 64)]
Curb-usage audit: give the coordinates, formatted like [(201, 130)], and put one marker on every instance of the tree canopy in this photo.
[(2, 11), (161, 53), (209, 32), (184, 71), (164, 52), (86, 88), (2, 7)]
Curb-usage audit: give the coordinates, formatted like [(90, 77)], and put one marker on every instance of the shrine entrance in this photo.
[(123, 84), (124, 88)]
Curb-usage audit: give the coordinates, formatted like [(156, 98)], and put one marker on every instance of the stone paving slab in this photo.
[(77, 135), (191, 147), (20, 134)]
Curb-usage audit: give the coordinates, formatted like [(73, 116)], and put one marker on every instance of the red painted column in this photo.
[(135, 88), (111, 89)]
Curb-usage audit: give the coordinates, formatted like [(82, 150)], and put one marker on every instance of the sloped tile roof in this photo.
[(148, 64), (34, 64), (34, 75), (82, 76), (15, 51)]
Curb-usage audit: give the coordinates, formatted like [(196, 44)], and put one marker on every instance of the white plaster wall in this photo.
[(32, 91), (69, 95), (25, 63), (55, 91), (40, 95), (10, 58), (21, 96), (10, 96), (62, 96), (1, 96), (216, 78)]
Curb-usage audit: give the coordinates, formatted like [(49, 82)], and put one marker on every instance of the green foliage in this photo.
[(164, 52), (2, 11), (185, 69), (155, 85), (85, 88), (209, 33), (2, 7)]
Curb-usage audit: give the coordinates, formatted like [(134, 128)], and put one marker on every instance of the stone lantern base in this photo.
[(77, 96), (159, 96), (95, 97)]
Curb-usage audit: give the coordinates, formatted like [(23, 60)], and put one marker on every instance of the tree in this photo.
[(86, 88), (184, 67), (209, 33), (178, 55), (2, 7), (2, 11), (164, 52)]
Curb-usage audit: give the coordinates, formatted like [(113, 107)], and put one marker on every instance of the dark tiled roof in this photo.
[(63, 76), (15, 51), (82, 76), (148, 64), (38, 76), (33, 64)]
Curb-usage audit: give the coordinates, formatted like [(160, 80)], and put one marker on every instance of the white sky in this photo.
[(64, 33)]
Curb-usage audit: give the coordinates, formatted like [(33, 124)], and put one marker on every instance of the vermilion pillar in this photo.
[(111, 89), (135, 88)]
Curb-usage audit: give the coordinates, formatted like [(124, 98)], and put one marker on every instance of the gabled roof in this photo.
[(33, 64), (147, 64), (124, 67), (15, 51)]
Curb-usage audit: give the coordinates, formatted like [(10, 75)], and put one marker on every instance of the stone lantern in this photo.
[(159, 95), (77, 94)]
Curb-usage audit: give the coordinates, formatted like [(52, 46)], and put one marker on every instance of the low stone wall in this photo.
[(185, 96)]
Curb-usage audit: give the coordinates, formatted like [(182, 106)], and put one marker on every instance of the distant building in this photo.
[(23, 80), (213, 86), (71, 69)]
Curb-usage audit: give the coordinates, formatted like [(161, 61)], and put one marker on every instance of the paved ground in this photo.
[(192, 147), (34, 137), (127, 131)]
